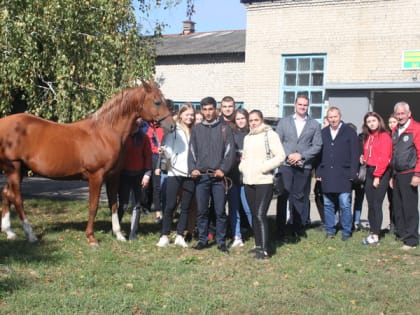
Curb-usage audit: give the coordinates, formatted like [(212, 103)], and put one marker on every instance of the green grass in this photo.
[(62, 274)]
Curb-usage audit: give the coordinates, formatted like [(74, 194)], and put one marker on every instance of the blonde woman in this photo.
[(262, 154), (175, 150)]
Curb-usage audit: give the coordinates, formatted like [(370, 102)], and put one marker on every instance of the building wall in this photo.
[(363, 41), (193, 78)]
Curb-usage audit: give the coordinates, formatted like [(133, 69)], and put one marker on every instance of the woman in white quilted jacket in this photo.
[(262, 154), (175, 151)]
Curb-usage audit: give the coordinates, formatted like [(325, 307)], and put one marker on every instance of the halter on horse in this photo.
[(89, 149)]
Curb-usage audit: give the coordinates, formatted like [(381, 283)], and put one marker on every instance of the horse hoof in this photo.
[(11, 236), (120, 237), (32, 239), (91, 239)]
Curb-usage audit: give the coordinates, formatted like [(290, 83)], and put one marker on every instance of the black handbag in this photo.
[(278, 183), (361, 174)]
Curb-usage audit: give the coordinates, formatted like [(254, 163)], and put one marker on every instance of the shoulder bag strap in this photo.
[(267, 146)]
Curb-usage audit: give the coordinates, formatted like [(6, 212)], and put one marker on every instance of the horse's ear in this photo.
[(147, 86)]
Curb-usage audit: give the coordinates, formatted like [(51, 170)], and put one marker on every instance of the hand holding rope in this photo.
[(226, 181)]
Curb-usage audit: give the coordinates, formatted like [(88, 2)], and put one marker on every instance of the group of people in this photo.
[(213, 159), (391, 157)]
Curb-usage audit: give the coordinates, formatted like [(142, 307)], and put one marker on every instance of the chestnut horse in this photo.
[(90, 149)]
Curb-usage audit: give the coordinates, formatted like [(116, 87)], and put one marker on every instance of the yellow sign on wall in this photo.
[(411, 59)]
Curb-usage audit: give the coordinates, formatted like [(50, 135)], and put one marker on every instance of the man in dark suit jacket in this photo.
[(339, 166), (301, 139)]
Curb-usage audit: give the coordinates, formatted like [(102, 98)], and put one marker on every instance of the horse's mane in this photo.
[(122, 104)]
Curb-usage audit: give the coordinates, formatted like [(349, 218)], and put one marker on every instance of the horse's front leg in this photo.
[(5, 214), (95, 183), (112, 193)]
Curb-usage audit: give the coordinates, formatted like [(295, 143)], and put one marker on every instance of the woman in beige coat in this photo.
[(262, 154)]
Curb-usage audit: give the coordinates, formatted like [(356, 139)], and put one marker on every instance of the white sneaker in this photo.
[(370, 240), (163, 241), (180, 241), (408, 247), (237, 243)]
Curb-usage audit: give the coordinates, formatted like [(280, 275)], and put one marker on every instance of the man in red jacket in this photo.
[(406, 176)]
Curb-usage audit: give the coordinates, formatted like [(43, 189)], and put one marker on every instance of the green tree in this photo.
[(61, 59)]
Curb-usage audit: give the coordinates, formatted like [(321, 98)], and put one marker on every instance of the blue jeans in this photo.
[(341, 201), (207, 186), (245, 206), (235, 202)]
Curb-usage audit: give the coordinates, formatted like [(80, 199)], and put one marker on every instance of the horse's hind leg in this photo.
[(5, 215), (112, 192), (14, 196)]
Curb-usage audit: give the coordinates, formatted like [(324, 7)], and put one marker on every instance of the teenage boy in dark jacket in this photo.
[(210, 157)]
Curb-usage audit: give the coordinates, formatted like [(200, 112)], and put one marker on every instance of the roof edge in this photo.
[(371, 85)]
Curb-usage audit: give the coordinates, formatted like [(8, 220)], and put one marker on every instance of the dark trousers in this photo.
[(207, 186), (375, 198), (296, 191), (173, 186), (154, 202), (359, 195), (319, 200), (259, 199), (128, 183), (406, 212), (391, 209)]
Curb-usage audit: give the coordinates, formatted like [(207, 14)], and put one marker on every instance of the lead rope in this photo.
[(227, 181), (158, 145)]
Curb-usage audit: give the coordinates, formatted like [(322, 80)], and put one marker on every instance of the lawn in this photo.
[(62, 274)]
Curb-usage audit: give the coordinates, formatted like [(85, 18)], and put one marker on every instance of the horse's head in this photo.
[(155, 108)]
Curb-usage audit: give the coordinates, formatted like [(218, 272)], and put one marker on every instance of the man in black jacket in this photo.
[(210, 157), (406, 175)]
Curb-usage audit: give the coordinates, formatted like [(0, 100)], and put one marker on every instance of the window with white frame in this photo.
[(303, 74)]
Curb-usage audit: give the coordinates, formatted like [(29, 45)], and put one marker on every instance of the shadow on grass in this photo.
[(22, 252)]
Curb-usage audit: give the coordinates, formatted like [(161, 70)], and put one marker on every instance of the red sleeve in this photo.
[(147, 153), (160, 133), (383, 153), (416, 133)]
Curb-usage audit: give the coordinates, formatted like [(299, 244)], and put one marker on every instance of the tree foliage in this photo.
[(61, 59)]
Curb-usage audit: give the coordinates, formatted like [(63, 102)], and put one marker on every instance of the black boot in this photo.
[(262, 254)]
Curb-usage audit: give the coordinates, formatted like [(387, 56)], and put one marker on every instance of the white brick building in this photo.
[(195, 65), (346, 53)]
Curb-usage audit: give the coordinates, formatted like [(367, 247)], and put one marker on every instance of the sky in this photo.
[(210, 15)]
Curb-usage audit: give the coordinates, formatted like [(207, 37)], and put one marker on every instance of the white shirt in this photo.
[(334, 132), (300, 124), (402, 128)]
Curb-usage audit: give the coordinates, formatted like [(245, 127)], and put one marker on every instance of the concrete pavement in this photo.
[(55, 189), (78, 190)]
